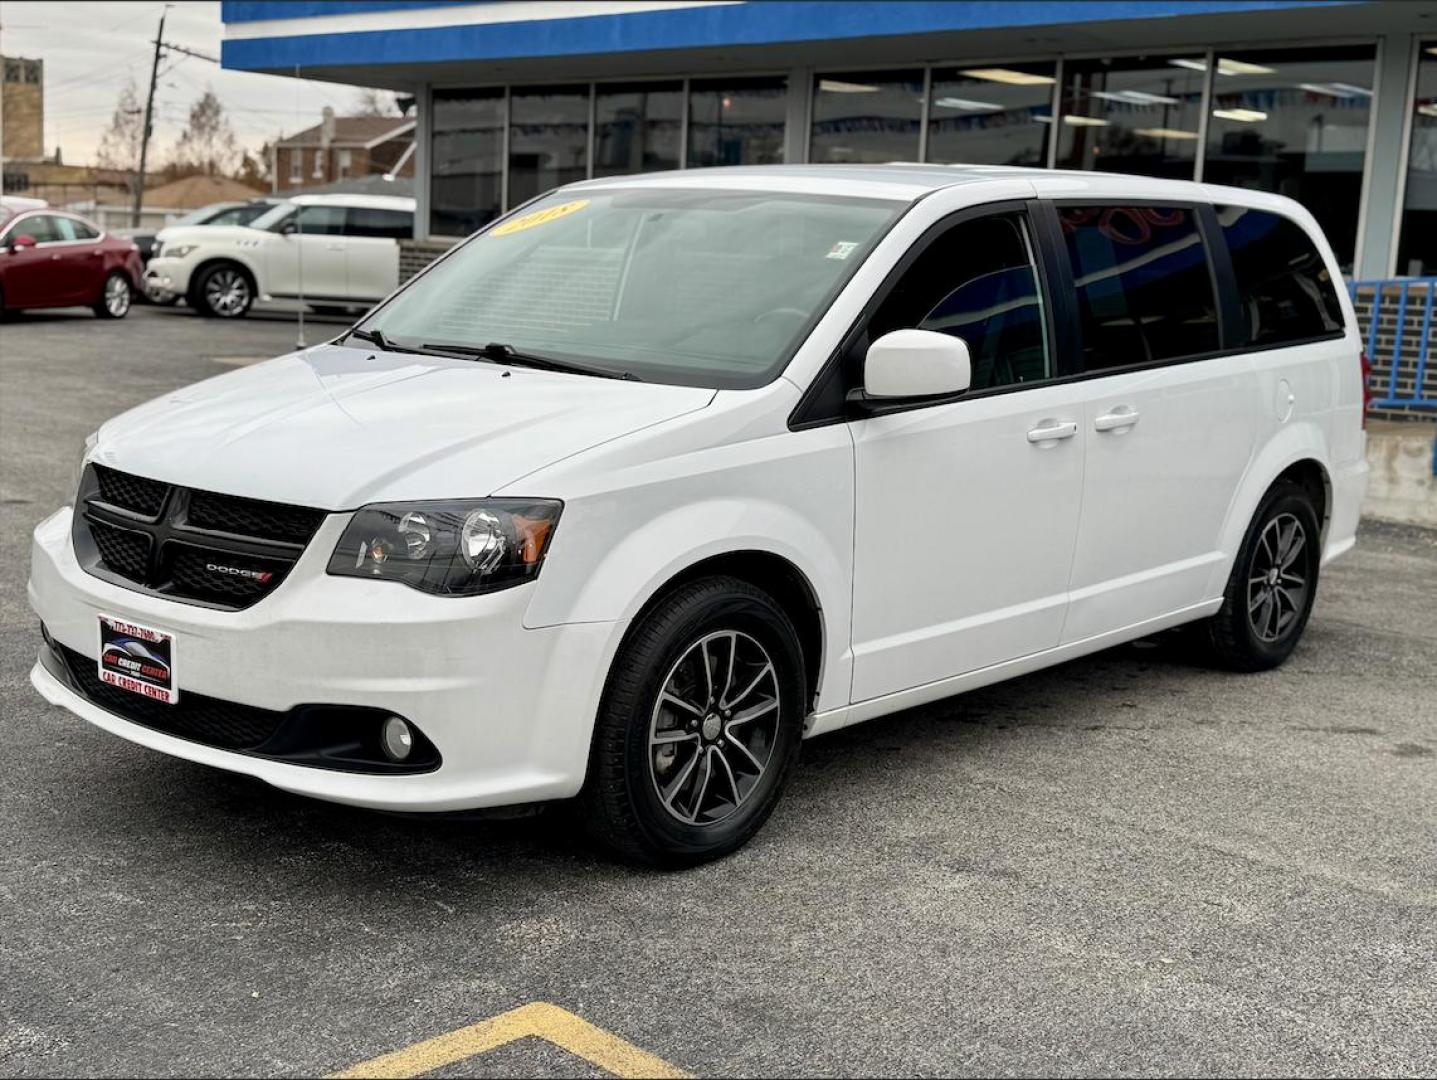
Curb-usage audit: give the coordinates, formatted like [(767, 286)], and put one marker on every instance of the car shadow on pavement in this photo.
[(251, 827)]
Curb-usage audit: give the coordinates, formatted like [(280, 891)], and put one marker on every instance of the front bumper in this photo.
[(166, 277), (510, 709)]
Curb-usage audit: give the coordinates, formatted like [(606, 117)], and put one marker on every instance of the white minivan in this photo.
[(657, 476)]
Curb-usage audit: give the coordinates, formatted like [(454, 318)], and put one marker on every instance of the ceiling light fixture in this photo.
[(1335, 90), (966, 105), (1165, 133), (1225, 66), (838, 86), (1135, 97), (1008, 76), (1242, 116), (1084, 121)]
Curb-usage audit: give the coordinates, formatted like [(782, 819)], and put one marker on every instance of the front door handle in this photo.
[(1052, 431), (1120, 419), (336, 247)]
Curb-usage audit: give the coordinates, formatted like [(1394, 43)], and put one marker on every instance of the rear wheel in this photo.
[(223, 291), (699, 726), (115, 297), (1273, 584)]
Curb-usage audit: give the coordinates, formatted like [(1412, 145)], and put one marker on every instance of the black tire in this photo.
[(116, 297), (1262, 617), (621, 802), (213, 285)]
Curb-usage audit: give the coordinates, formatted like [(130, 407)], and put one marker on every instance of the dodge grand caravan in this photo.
[(657, 476)]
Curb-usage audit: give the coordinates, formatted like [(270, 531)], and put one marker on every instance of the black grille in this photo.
[(243, 581), (126, 553), (201, 719), (134, 493), (251, 517), (196, 546)]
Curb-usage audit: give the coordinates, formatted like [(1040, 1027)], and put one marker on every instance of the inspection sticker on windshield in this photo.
[(138, 659), (841, 250), (540, 217)]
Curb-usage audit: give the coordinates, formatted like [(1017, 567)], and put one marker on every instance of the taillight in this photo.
[(1366, 386)]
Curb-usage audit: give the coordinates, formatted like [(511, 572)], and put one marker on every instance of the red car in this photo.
[(52, 258)]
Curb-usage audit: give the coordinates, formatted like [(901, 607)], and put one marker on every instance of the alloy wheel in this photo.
[(117, 296), (1277, 581), (227, 292), (713, 728)]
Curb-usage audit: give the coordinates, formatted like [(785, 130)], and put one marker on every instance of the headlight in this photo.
[(175, 251), (79, 470), (448, 548)]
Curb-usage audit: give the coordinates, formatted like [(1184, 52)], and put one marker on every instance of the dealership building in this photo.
[(1333, 102)]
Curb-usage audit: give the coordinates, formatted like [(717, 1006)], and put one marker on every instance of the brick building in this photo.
[(22, 108), (344, 148)]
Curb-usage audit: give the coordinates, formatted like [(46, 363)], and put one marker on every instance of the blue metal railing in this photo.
[(1413, 294)]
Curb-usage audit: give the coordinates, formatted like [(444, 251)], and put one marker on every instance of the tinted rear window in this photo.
[(1144, 291), (1286, 292)]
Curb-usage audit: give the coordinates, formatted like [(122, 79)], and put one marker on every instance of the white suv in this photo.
[(330, 251), (653, 479)]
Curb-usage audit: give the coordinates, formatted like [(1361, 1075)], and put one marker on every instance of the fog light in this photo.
[(397, 739)]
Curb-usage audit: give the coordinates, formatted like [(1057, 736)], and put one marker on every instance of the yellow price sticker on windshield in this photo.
[(540, 217)]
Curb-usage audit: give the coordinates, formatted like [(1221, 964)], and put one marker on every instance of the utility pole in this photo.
[(149, 123)]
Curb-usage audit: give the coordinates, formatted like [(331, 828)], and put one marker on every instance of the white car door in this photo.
[(966, 513), (1170, 422), (310, 260), (372, 236)]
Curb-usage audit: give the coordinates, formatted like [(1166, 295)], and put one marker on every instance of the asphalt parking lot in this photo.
[(1124, 864)]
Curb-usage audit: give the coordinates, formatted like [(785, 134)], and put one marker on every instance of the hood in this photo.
[(334, 427), (207, 234)]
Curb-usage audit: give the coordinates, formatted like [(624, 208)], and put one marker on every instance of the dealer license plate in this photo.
[(138, 659)]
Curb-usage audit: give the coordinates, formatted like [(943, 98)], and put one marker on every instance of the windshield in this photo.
[(201, 216), (704, 288)]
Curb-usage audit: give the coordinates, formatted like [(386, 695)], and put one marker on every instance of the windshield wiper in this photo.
[(376, 338), (500, 353)]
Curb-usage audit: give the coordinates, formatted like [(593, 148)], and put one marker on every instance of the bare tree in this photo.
[(207, 145), (253, 169), (372, 102), (120, 146)]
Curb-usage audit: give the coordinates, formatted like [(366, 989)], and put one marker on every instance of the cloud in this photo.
[(90, 49)]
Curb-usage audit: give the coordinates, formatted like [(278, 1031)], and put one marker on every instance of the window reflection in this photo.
[(1134, 115), (1295, 122), (467, 151), (1417, 249), (867, 116), (737, 121), (637, 127), (548, 139), (991, 116)]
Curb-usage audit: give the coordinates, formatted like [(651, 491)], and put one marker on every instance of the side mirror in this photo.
[(21, 242), (289, 228), (908, 365)]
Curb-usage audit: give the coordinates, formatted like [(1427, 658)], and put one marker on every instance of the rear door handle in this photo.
[(1120, 418), (1052, 431)]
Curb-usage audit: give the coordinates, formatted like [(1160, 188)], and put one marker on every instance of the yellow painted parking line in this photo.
[(539, 1020)]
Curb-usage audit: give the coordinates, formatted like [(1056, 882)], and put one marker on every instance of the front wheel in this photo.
[(1273, 584), (115, 297), (223, 291), (699, 726)]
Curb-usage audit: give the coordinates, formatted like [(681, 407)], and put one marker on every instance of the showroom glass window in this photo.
[(1294, 122), (1133, 115), (1143, 286), (867, 116), (548, 139), (638, 127), (991, 115), (737, 121), (468, 160), (1417, 248)]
